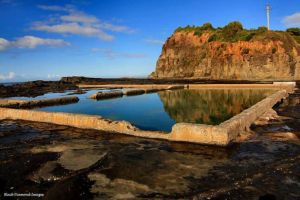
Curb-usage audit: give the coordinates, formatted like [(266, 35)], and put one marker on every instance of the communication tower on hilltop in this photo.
[(268, 9)]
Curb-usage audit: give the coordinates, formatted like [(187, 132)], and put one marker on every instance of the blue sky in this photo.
[(111, 38)]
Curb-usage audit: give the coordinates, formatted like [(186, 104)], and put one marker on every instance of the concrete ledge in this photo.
[(134, 86), (79, 121), (106, 95), (133, 92), (288, 87), (175, 87), (38, 103), (152, 90), (228, 131), (200, 133), (292, 83)]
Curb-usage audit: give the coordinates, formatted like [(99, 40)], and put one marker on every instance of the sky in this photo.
[(46, 40)]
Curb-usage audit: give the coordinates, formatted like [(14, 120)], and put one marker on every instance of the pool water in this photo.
[(160, 111)]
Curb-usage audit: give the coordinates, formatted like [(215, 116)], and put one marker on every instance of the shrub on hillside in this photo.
[(262, 29), (293, 31), (231, 29)]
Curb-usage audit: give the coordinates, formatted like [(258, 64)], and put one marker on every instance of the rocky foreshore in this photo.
[(35, 88), (62, 162)]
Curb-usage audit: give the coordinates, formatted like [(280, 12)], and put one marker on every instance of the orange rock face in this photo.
[(185, 55)]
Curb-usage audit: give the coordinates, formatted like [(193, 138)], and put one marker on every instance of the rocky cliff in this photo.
[(229, 53)]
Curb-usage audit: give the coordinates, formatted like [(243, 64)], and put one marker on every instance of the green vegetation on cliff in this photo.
[(234, 32), (295, 32)]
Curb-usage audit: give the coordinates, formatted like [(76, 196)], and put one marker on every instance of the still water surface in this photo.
[(160, 111)]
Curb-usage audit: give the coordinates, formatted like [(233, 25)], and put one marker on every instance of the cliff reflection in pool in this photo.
[(160, 111)]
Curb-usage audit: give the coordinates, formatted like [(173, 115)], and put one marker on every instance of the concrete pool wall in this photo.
[(222, 134), (229, 130), (10, 103), (132, 92)]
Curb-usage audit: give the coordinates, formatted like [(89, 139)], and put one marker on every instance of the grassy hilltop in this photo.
[(234, 32)]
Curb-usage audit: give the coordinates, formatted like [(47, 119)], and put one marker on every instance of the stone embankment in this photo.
[(38, 103)]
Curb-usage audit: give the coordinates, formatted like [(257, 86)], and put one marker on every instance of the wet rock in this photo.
[(284, 135), (59, 147), (79, 159), (44, 173), (75, 155), (267, 197), (117, 188)]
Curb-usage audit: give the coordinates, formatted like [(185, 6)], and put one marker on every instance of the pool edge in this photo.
[(221, 135)]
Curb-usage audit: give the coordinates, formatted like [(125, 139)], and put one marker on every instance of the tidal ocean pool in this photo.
[(160, 111)]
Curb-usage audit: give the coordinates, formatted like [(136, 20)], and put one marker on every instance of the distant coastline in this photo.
[(10, 83)]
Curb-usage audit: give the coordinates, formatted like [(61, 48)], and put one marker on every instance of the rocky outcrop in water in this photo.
[(230, 53)]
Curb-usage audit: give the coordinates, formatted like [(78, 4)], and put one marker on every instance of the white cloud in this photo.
[(75, 28), (4, 44), (154, 41), (111, 54), (78, 23), (292, 20), (9, 2), (116, 28), (30, 42), (79, 17), (67, 8), (8, 76)]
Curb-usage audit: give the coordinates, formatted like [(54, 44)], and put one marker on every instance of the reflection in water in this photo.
[(209, 106)]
